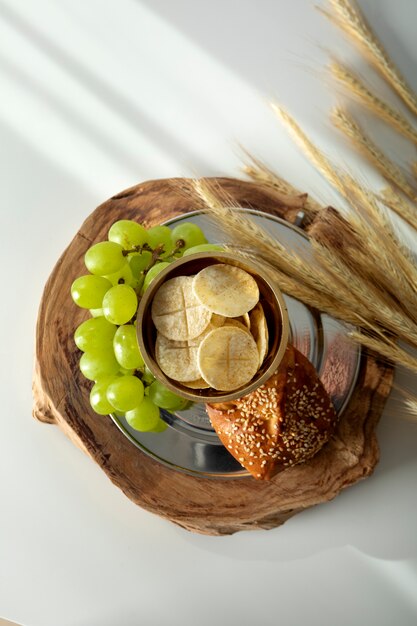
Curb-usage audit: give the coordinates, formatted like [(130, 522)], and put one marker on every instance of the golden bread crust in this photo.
[(284, 422)]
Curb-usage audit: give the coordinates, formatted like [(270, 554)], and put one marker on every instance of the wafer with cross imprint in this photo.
[(176, 311), (228, 358), (178, 359)]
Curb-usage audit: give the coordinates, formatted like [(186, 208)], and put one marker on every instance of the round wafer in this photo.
[(226, 289), (177, 359), (176, 312), (259, 330), (245, 319), (228, 358), (231, 321), (196, 384)]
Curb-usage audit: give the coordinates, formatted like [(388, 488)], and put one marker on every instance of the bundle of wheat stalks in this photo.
[(370, 281)]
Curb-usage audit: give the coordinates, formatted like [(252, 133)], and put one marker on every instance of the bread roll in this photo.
[(284, 422)]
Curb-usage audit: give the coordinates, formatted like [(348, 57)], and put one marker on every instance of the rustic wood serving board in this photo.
[(208, 506)]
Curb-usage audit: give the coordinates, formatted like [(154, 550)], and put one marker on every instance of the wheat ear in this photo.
[(356, 87), (347, 15), (380, 242), (260, 173), (328, 284), (349, 127), (399, 205)]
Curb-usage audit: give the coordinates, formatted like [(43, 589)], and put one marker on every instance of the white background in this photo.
[(97, 95)]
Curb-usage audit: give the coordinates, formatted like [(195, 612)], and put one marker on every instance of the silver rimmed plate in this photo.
[(189, 444)]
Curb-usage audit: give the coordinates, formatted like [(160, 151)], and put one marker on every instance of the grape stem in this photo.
[(156, 253), (180, 243), (139, 249)]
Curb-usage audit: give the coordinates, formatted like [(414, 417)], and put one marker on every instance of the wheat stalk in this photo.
[(341, 181), (335, 291), (356, 87), (410, 406), (244, 230), (386, 348), (349, 18), (385, 250), (364, 296), (348, 187), (308, 147), (402, 207), (296, 275), (296, 288), (379, 241), (345, 122), (369, 249), (260, 173)]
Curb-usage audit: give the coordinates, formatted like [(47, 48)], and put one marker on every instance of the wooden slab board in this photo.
[(209, 506)]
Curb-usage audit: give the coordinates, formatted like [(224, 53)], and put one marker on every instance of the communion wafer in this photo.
[(196, 384), (242, 319), (176, 312), (228, 358), (231, 321), (245, 319), (226, 290), (177, 359), (217, 320), (259, 330)]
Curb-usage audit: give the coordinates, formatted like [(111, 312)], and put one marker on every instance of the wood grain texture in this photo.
[(207, 506)]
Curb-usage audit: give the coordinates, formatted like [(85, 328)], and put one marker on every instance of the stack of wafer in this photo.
[(211, 328)]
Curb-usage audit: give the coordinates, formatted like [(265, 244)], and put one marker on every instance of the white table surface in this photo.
[(95, 97)]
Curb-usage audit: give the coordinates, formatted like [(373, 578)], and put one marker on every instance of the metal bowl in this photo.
[(275, 312), (189, 444)]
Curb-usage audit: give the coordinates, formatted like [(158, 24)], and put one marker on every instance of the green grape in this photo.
[(98, 398), (126, 348), (160, 427), (123, 276), (88, 291), (99, 363), (186, 404), (126, 372), (204, 247), (120, 304), (153, 272), (96, 312), (147, 377), (189, 233), (128, 234), (139, 262), (161, 235), (94, 333), (144, 417), (164, 398), (125, 393), (135, 284), (105, 258)]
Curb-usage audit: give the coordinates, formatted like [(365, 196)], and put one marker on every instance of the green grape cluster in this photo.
[(120, 271)]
